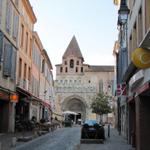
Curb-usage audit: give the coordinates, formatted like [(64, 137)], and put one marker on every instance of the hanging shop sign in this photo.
[(121, 89), (14, 98), (141, 58)]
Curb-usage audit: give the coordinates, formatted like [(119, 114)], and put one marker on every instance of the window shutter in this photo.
[(15, 26), (7, 59), (8, 16), (13, 64), (1, 45)]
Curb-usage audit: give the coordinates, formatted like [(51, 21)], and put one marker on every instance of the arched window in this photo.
[(71, 63)]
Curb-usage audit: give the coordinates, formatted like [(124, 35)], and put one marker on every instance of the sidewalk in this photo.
[(115, 142), (6, 139)]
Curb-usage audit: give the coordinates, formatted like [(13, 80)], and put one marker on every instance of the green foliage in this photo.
[(100, 104)]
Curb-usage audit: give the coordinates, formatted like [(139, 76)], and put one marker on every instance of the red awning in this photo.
[(143, 88), (46, 104)]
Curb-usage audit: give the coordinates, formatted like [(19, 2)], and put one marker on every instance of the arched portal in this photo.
[(75, 104)]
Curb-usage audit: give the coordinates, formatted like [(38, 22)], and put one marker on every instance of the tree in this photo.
[(100, 104)]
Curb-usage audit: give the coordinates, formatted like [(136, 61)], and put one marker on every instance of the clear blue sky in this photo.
[(93, 22)]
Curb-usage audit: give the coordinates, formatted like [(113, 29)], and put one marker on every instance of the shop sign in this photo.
[(14, 98), (141, 58), (121, 89)]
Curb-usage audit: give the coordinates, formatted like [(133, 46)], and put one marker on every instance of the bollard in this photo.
[(35, 133), (108, 130), (14, 139)]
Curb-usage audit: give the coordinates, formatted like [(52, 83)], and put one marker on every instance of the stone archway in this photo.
[(75, 104)]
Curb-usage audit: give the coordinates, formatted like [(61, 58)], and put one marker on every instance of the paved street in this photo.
[(69, 139), (61, 139)]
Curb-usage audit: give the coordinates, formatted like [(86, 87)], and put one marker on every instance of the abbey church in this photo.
[(77, 83)]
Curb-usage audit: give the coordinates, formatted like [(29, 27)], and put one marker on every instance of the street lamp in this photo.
[(123, 13)]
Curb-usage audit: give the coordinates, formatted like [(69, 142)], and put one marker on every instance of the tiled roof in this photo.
[(73, 49)]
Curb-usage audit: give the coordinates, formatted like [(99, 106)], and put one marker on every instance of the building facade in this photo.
[(24, 60), (138, 39), (136, 75), (9, 25), (77, 83), (46, 87), (26, 79)]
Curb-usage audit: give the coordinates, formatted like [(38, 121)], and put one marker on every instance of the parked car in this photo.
[(92, 130)]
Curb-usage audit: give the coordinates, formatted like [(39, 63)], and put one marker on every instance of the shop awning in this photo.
[(46, 104), (23, 92), (131, 70), (144, 89), (146, 40)]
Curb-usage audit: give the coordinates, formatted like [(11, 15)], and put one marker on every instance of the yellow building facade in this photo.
[(24, 59)]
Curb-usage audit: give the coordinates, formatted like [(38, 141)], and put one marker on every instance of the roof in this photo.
[(100, 69), (30, 10), (47, 59), (73, 49)]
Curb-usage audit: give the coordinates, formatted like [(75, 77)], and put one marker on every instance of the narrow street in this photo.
[(61, 139), (69, 139)]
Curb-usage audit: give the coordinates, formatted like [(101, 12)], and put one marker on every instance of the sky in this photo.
[(93, 22)]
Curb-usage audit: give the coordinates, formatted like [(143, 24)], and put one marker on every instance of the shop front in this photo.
[(139, 120), (45, 111), (22, 108), (7, 110), (142, 109)]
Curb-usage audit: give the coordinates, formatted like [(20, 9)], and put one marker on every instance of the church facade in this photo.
[(77, 83)]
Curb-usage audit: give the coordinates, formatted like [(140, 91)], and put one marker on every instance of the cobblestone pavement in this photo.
[(61, 139), (69, 139), (115, 142)]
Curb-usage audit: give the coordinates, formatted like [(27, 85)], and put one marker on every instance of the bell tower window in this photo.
[(71, 63), (61, 69), (66, 69), (65, 62)]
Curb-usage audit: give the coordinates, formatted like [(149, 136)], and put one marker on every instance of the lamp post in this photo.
[(123, 12), (123, 53), (122, 22)]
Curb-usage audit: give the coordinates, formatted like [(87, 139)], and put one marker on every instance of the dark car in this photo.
[(92, 130)]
